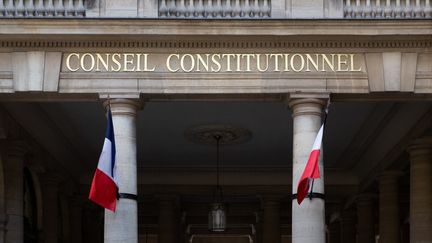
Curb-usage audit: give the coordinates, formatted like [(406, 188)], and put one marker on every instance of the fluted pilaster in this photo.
[(14, 181), (421, 190), (365, 218), (389, 221), (271, 219)]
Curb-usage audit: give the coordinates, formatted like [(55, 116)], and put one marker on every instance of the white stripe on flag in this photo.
[(105, 159), (318, 139)]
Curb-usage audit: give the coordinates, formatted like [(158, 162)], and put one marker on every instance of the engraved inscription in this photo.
[(211, 62)]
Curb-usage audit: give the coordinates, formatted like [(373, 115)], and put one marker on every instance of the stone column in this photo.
[(122, 226), (334, 232), (308, 219), (365, 219), (259, 226), (76, 207), (168, 219), (14, 180), (50, 201), (93, 223), (271, 220), (389, 222), (348, 227), (421, 190)]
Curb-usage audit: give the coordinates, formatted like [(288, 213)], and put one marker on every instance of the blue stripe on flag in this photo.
[(109, 134)]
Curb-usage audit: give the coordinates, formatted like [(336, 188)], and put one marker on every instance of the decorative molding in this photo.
[(420, 147), (219, 44), (205, 134), (176, 29), (123, 106)]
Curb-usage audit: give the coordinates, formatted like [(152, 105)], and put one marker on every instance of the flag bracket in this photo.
[(127, 196), (311, 195)]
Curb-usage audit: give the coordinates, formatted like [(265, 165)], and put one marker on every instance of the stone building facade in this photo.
[(258, 73)]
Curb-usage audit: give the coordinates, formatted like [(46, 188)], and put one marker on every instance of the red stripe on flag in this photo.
[(311, 171), (103, 191)]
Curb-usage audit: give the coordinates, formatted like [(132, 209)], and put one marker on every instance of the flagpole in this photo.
[(326, 111), (109, 102), (311, 191)]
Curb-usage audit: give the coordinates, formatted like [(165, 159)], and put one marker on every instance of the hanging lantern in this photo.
[(217, 217), (217, 214)]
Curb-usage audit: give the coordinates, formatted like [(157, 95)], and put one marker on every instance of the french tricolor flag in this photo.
[(311, 171), (104, 187)]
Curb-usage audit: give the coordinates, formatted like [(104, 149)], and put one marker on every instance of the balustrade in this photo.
[(42, 8), (211, 9), (214, 8), (376, 9)]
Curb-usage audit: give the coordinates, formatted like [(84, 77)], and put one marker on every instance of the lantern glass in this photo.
[(217, 217)]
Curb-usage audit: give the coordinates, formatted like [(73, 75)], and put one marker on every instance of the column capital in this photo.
[(271, 202), (365, 199), (307, 106), (50, 179), (271, 198), (124, 106), (420, 147), (348, 216), (389, 176), (167, 198)]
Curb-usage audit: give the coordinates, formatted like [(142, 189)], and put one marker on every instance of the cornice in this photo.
[(275, 27), (113, 45)]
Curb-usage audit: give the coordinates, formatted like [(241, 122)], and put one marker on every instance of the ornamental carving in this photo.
[(205, 134)]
